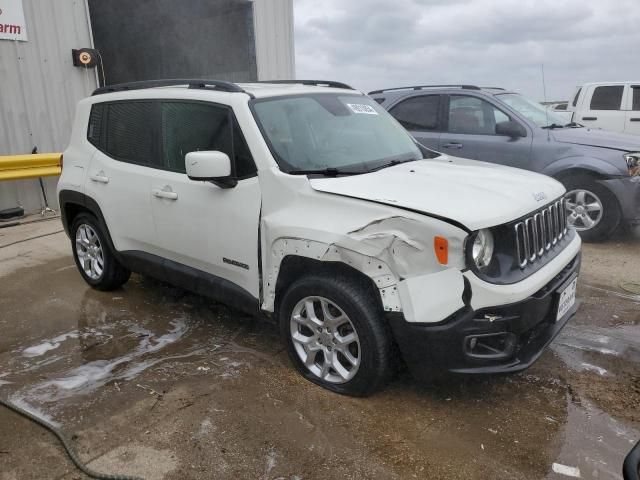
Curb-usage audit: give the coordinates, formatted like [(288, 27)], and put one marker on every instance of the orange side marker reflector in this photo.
[(441, 247)]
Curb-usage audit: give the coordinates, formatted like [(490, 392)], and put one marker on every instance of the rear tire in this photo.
[(345, 345), (584, 197), (93, 256)]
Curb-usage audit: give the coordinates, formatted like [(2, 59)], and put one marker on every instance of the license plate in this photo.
[(567, 299)]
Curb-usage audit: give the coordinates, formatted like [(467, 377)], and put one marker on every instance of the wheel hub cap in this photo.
[(584, 209), (325, 339), (89, 252)]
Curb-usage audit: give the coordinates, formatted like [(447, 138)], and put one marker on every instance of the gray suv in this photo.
[(600, 170)]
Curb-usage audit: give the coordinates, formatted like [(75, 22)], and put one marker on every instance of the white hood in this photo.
[(475, 194)]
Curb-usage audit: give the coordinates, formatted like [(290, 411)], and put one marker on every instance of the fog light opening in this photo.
[(490, 345)]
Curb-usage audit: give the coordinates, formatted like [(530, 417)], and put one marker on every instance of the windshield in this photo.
[(531, 110), (331, 131)]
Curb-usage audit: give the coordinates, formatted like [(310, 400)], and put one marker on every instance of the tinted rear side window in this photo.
[(636, 98), (418, 113), (192, 127), (130, 135), (607, 98), (94, 131)]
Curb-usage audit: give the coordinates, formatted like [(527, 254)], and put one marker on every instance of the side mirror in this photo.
[(210, 166), (510, 129)]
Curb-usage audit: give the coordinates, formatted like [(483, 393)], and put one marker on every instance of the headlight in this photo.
[(633, 163), (482, 250)]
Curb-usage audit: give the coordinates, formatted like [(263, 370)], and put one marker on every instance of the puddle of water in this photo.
[(594, 442), (20, 402), (575, 343), (90, 376), (594, 368), (629, 296), (271, 461), (48, 345)]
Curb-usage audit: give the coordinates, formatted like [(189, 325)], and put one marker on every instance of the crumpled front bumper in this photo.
[(518, 332)]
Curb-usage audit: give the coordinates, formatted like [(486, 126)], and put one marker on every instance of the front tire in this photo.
[(93, 256), (335, 334), (591, 208)]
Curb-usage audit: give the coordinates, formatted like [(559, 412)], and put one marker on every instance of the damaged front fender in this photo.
[(396, 252)]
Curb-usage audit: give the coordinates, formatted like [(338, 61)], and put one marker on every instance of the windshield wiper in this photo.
[(327, 172), (393, 163), (553, 126)]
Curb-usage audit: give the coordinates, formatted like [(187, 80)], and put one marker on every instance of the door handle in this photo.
[(168, 194), (589, 118), (634, 119), (99, 178), (452, 145)]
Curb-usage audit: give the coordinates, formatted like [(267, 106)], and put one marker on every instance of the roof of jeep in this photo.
[(261, 90), (253, 89)]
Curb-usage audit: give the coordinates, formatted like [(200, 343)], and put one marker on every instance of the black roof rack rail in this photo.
[(317, 83), (493, 88), (190, 82), (420, 87)]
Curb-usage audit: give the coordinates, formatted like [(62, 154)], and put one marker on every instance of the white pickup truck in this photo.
[(613, 106)]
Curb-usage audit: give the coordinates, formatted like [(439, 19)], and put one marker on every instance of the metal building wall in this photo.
[(39, 88), (273, 21)]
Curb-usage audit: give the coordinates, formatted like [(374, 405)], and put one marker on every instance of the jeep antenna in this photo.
[(546, 107)]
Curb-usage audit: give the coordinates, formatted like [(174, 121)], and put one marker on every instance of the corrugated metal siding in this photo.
[(39, 88), (273, 20)]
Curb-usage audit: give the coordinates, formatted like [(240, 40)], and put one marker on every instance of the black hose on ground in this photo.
[(31, 238), (66, 444)]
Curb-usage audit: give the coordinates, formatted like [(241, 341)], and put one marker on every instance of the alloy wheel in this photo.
[(584, 209), (89, 251), (325, 339)]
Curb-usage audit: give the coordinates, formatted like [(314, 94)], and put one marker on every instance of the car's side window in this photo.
[(244, 164), (607, 97), (474, 116), (575, 99), (192, 126), (636, 98), (94, 131), (130, 135), (418, 113)]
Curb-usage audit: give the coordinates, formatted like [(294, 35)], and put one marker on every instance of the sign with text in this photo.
[(12, 24)]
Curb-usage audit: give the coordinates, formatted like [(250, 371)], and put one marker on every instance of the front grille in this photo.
[(539, 233)]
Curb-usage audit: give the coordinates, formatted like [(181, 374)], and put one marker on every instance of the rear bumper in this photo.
[(518, 332)]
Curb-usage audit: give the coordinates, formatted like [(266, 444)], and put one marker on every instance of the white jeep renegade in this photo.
[(305, 201)]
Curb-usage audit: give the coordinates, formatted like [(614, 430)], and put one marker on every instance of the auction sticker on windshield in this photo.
[(567, 299), (362, 108)]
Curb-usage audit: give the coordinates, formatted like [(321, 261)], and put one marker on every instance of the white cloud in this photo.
[(382, 43)]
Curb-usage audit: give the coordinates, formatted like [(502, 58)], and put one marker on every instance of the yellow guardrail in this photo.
[(19, 167)]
